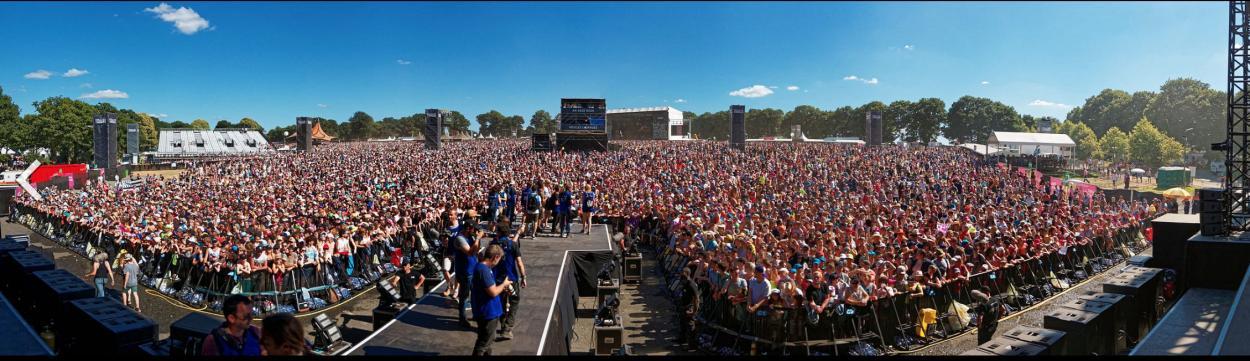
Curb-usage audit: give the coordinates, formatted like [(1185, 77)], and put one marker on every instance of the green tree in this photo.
[(808, 118), (1086, 141), (360, 126), (491, 123), (860, 116), (200, 124), (542, 122), (1103, 111), (926, 119), (250, 124), (1189, 110), (972, 119), (15, 133), (842, 123), (1151, 148), (457, 122), (894, 120), (714, 126), (1115, 145), (764, 123), (224, 124), (63, 126), (148, 135)]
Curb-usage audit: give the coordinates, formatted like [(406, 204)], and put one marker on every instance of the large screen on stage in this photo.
[(583, 115)]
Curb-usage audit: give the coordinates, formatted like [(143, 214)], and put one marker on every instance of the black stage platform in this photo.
[(430, 327)]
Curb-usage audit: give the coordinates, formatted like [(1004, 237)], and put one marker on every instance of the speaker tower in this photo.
[(433, 130), (737, 127), (104, 134)]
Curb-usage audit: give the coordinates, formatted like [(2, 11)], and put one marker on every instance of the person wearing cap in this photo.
[(130, 274), (989, 311)]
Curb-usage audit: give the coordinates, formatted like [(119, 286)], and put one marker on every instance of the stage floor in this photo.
[(430, 326)]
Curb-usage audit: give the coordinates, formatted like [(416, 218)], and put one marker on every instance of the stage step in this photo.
[(1192, 327), (1232, 337)]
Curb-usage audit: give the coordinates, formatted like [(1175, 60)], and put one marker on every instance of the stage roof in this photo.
[(1031, 138), (197, 142)]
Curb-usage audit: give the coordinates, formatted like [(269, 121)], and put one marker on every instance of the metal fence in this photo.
[(886, 325)]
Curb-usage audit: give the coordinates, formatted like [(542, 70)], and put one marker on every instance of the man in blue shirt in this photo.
[(487, 307), (465, 247), (565, 210), (509, 210), (588, 209), (514, 269)]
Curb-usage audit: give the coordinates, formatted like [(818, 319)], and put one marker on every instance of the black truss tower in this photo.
[(1237, 177)]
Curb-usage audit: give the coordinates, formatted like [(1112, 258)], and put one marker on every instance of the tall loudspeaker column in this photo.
[(434, 128), (1211, 211), (104, 135), (737, 127), (303, 128), (132, 142), (873, 132)]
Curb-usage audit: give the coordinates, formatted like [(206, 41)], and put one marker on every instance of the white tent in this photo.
[(1033, 143)]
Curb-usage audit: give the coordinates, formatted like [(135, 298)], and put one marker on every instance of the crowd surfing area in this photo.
[(837, 224)]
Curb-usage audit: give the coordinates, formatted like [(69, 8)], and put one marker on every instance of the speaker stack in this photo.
[(390, 305), (1005, 346), (1052, 342), (50, 292), (303, 127), (737, 127), (1121, 312), (103, 326), (873, 132), (1081, 327), (1211, 211), (17, 267), (1140, 287), (433, 130), (104, 136), (1100, 337), (187, 334), (132, 142)]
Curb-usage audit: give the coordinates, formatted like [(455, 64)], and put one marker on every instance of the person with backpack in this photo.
[(465, 246), (236, 336), (533, 209), (511, 267), (565, 210)]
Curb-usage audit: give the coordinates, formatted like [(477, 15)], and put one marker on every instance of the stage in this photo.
[(431, 327)]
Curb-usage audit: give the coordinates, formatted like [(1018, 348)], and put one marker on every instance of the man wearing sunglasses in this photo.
[(236, 336)]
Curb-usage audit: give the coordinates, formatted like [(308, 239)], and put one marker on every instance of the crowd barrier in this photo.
[(891, 324), (306, 288)]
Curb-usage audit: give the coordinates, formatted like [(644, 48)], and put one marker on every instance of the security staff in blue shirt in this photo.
[(565, 210), (465, 247), (487, 307), (512, 267)]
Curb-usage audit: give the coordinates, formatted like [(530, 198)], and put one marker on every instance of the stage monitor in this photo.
[(583, 115)]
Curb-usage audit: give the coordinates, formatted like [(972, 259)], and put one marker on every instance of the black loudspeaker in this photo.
[(161, 348), (49, 293), (1053, 342), (606, 290), (132, 140), (1004, 346), (20, 339), (102, 326), (387, 292), (433, 130), (738, 127), (17, 267), (1141, 292), (187, 334), (328, 335), (1171, 231), (303, 131), (1101, 338), (1081, 329), (8, 245), (609, 338), (873, 132), (541, 143), (633, 269), (1211, 211), (385, 313), (104, 136), (1216, 262), (1121, 312)]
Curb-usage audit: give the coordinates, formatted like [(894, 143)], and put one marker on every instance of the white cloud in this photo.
[(321, 105), (872, 81), (754, 91), (85, 85), (106, 94), (74, 72), (159, 116), (680, 101), (985, 82), (402, 62), (909, 47), (772, 87), (186, 20), (1046, 104), (38, 74), (792, 88)]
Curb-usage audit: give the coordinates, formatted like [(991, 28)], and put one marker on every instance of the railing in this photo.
[(886, 324), (181, 277)]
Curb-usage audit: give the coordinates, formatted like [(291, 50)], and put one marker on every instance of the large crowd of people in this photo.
[(779, 225)]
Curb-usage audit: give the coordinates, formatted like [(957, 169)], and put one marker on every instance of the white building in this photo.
[(195, 143), (1015, 143)]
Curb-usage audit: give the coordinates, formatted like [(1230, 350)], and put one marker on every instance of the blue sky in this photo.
[(276, 61)]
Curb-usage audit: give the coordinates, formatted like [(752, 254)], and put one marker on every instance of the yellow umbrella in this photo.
[(1177, 193)]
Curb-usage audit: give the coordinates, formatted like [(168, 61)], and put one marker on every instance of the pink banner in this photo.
[(1086, 188)]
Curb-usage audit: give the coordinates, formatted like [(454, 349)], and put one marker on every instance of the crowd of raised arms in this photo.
[(811, 216)]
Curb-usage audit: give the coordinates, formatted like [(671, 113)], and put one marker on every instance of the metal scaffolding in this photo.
[(1237, 179)]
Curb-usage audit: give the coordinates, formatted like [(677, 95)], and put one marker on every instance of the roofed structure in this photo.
[(189, 143)]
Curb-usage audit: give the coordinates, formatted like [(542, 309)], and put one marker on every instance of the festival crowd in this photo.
[(780, 225)]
